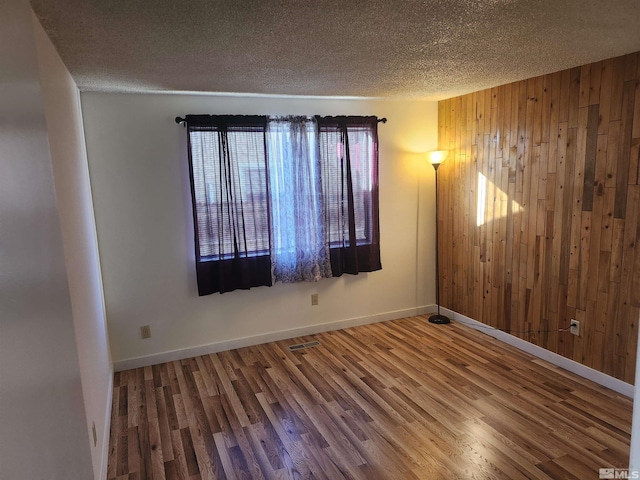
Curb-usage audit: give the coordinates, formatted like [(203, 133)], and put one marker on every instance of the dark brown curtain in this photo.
[(349, 156), (229, 195)]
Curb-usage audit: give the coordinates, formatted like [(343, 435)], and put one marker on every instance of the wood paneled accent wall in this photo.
[(539, 210)]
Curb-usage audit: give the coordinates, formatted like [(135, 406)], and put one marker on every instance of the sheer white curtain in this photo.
[(298, 246)]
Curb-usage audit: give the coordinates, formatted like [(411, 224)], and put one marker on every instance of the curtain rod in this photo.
[(180, 120)]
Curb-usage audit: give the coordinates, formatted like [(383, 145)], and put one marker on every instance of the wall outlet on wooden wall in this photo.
[(575, 327)]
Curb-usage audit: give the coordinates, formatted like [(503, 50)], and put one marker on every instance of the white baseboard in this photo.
[(180, 354), (551, 357), (104, 462)]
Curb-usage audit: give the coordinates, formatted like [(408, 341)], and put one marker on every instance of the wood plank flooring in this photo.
[(403, 399)]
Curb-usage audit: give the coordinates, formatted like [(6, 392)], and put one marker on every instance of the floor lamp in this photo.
[(436, 158)]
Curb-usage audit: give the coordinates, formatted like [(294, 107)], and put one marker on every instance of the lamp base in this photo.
[(439, 319)]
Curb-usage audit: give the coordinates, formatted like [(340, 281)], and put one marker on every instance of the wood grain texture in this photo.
[(403, 399), (555, 237)]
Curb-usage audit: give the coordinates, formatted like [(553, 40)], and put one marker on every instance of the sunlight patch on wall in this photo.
[(501, 206)]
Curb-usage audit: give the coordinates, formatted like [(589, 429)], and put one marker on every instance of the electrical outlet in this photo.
[(145, 331), (574, 328), (314, 299)]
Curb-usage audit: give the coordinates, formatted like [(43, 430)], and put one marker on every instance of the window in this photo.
[(282, 199), (229, 182), (360, 142)]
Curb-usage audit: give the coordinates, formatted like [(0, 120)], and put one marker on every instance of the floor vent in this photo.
[(300, 346)]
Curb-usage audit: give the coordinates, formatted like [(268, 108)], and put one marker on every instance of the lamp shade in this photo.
[(436, 157)]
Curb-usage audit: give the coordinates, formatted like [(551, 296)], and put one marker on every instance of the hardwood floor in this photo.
[(403, 399)]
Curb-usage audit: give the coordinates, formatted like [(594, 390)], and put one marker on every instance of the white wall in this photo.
[(43, 432), (75, 206), (139, 179)]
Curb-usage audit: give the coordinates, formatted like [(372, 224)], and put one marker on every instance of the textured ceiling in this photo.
[(375, 48)]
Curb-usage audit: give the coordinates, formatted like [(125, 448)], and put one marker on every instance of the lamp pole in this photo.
[(437, 158)]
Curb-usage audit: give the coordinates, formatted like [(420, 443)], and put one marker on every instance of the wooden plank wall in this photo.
[(539, 218)]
